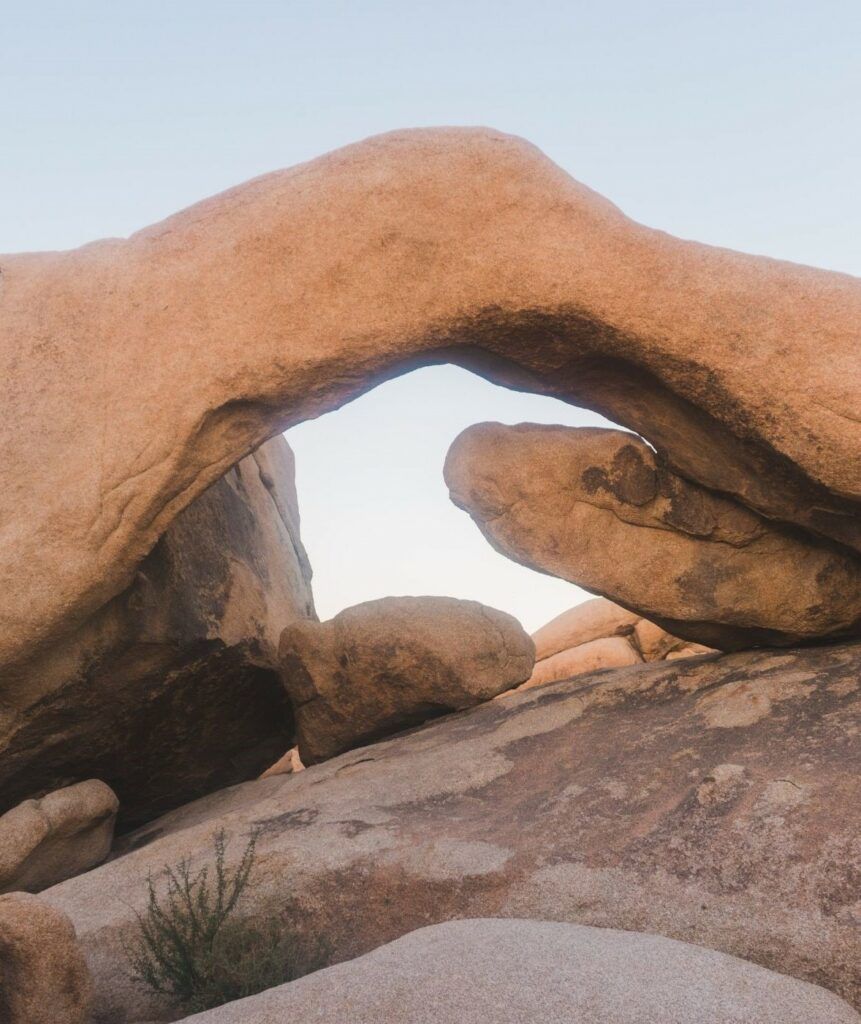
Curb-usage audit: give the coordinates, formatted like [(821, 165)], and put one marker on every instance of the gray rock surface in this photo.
[(538, 972), (713, 800)]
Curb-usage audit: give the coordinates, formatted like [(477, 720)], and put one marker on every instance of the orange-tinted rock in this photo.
[(652, 642), (599, 508), (382, 666), (135, 372), (690, 651), (44, 978), (286, 765), (607, 652), (591, 620)]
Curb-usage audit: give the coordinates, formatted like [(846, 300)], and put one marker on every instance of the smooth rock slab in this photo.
[(44, 978), (712, 800), (538, 972), (46, 841), (385, 665)]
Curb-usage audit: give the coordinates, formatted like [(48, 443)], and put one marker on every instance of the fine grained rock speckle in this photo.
[(538, 972), (606, 800)]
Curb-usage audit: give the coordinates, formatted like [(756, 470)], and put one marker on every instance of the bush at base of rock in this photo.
[(382, 666), (535, 972), (45, 841), (44, 978), (711, 800)]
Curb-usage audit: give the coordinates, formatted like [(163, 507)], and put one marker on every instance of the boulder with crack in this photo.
[(45, 841)]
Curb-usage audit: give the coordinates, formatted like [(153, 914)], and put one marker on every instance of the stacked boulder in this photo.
[(383, 666), (45, 841), (599, 634)]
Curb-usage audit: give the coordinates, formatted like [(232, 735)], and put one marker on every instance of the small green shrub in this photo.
[(191, 948)]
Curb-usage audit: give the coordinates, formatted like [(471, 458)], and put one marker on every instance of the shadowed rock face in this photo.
[(134, 373), (599, 508), (713, 800), (170, 690)]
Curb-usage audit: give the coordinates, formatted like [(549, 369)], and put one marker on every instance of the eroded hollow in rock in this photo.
[(170, 691)]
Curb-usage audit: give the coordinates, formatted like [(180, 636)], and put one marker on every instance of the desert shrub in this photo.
[(191, 947)]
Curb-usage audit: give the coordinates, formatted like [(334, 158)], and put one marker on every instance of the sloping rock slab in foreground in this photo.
[(538, 972), (713, 800)]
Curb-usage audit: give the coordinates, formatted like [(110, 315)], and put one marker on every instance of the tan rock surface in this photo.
[(591, 620), (496, 971), (711, 800), (46, 841), (690, 651), (652, 642), (135, 372), (285, 765), (170, 690), (386, 665), (608, 652), (598, 508), (44, 978)]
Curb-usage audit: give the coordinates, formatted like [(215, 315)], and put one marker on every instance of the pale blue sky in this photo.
[(732, 123)]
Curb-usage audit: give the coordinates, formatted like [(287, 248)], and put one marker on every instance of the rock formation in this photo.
[(44, 978), (535, 972), (608, 652), (597, 619), (285, 765), (46, 841), (601, 509), (145, 368), (386, 665), (598, 634), (169, 690), (715, 801)]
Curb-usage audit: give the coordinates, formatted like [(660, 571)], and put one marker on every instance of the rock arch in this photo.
[(135, 372)]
